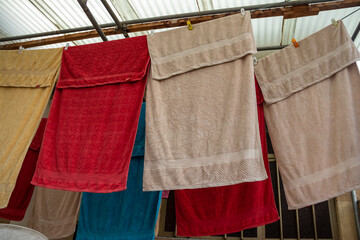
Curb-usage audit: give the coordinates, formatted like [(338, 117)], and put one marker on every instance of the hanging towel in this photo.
[(201, 119), (93, 118), (22, 193), (26, 82), (165, 194), (25, 220), (54, 212), (125, 215), (228, 209), (313, 115)]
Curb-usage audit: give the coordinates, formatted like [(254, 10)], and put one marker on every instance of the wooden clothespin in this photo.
[(334, 22), (295, 43), (190, 27), (20, 49)]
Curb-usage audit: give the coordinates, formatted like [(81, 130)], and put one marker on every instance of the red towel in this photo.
[(93, 117), (222, 210), (22, 193)]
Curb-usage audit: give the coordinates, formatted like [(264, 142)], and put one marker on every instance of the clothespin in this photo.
[(255, 61), (66, 46), (295, 42), (190, 27), (152, 32), (334, 22), (20, 49), (242, 10)]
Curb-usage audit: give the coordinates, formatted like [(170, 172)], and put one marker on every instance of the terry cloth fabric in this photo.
[(93, 117), (201, 119), (26, 83), (22, 193), (222, 210), (25, 220), (125, 215), (313, 115), (165, 194), (54, 212)]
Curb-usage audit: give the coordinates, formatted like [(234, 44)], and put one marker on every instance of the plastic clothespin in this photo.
[(295, 43), (255, 61), (334, 22), (242, 11), (66, 46), (190, 27), (152, 32), (21, 48)]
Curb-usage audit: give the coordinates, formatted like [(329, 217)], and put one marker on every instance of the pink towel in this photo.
[(312, 111), (201, 120), (165, 194)]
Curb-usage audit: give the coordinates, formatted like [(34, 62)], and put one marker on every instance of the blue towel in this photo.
[(125, 215)]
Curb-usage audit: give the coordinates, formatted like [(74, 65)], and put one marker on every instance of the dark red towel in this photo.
[(22, 193), (221, 210), (93, 117)]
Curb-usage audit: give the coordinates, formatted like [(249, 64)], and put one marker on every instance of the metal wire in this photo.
[(350, 14)]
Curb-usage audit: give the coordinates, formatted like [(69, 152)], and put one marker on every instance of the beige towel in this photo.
[(313, 115), (201, 116), (26, 82), (54, 212)]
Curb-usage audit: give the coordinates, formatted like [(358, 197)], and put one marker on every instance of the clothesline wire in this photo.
[(350, 14)]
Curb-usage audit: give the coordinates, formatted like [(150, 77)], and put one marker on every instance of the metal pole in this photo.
[(272, 48), (92, 19), (169, 17), (279, 197), (297, 224), (119, 25), (356, 212), (314, 221), (356, 32)]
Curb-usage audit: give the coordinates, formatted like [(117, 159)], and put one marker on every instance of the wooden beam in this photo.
[(286, 12)]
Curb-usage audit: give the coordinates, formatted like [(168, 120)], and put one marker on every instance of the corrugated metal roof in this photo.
[(154, 8), (267, 32), (125, 9), (33, 16), (300, 28), (21, 17)]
